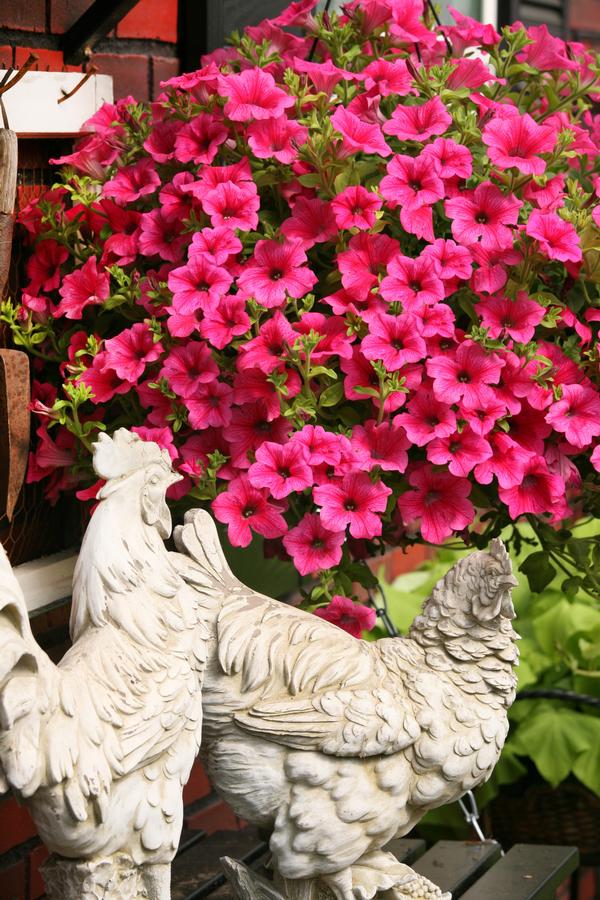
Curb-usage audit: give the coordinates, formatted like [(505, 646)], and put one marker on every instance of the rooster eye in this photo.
[(154, 479)]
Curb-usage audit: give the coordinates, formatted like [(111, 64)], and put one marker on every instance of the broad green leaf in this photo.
[(587, 766), (557, 625), (553, 738), (539, 570)]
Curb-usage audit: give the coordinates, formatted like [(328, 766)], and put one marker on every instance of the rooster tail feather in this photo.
[(21, 661), (198, 539)]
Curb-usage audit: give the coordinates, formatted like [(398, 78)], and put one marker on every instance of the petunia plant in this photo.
[(347, 273)]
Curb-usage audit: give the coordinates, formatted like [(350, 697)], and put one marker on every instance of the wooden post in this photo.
[(14, 364)]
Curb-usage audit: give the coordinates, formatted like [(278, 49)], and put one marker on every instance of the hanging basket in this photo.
[(568, 815)]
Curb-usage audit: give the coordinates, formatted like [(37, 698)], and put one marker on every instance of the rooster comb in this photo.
[(124, 453), (499, 552)]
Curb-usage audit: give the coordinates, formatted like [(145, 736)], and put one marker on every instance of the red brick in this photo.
[(130, 73), (198, 785), (30, 15), (49, 60), (12, 881), (37, 887), (16, 825), (163, 68), (215, 817), (6, 57), (151, 19), (63, 13)]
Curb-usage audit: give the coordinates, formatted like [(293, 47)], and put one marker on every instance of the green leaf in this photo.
[(587, 766), (538, 569), (555, 627), (553, 738), (332, 395)]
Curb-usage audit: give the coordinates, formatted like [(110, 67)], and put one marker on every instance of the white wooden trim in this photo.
[(33, 109), (489, 12), (46, 580)]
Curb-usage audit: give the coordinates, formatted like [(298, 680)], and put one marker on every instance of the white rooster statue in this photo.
[(100, 746), (338, 745)]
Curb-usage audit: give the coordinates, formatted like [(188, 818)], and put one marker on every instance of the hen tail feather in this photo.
[(198, 539)]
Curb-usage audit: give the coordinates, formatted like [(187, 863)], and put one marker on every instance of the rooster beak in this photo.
[(174, 478), (510, 581)]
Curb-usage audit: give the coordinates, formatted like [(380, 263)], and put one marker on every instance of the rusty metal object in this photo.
[(14, 426)]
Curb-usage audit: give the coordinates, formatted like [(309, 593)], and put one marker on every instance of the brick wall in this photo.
[(139, 54)]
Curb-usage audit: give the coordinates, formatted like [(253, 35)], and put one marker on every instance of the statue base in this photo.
[(105, 878)]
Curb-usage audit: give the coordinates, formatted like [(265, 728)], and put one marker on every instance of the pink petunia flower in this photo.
[(132, 182), (162, 236), (450, 259), (465, 376), (507, 462), (225, 321), (351, 617), (189, 366), (322, 447), (281, 468), (231, 205), (43, 267), (250, 427), (312, 222), (576, 414), (277, 138), (546, 52), (83, 287), (359, 373), (175, 202), (199, 139), (367, 258), (412, 182), (418, 123), (518, 141), (451, 160), (276, 271), (395, 340), (252, 94), (244, 508), (210, 405), (356, 207), (538, 492), (354, 501), (102, 380), (485, 214), (386, 444), (334, 339), (439, 501), (198, 285), (324, 75), (313, 547), (160, 143), (387, 77), (595, 458), (557, 239), (359, 136), (471, 73), (413, 282), (220, 244), (426, 418), (266, 350), (517, 318), (131, 351), (460, 451)]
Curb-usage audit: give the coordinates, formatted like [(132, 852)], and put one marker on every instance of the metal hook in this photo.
[(91, 71), (6, 85), (471, 813)]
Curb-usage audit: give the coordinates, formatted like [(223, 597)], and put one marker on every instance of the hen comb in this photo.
[(124, 453)]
